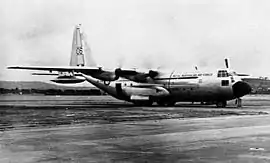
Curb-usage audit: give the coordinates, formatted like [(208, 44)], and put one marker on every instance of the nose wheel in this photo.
[(221, 104), (238, 102)]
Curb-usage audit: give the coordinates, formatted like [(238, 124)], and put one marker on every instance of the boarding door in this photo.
[(170, 81), (118, 87)]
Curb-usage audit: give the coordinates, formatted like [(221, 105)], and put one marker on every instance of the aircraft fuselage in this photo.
[(175, 87)]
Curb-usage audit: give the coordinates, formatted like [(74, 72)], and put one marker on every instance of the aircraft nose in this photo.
[(241, 88)]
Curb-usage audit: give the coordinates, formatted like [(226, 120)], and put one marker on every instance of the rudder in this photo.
[(77, 52)]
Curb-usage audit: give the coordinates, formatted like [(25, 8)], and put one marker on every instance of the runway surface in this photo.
[(101, 129)]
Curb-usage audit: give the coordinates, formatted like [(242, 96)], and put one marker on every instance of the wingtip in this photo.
[(11, 67)]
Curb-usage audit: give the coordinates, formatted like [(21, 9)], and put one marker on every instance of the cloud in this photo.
[(141, 33)]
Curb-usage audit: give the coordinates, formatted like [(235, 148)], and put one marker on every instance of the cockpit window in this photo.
[(222, 73)]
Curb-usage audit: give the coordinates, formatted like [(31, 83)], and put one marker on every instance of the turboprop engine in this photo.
[(105, 76), (135, 76)]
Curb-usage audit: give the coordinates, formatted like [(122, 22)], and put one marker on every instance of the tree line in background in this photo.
[(51, 91), (259, 86), (255, 90)]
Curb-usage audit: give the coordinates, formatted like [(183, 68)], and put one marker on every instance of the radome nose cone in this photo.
[(241, 88)]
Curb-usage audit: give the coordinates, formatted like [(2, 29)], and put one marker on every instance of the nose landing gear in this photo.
[(238, 102)]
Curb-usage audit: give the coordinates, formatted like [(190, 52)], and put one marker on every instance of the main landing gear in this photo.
[(150, 102), (221, 104), (166, 103), (143, 103)]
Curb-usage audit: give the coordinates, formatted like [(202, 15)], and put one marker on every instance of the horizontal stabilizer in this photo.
[(50, 74), (54, 74)]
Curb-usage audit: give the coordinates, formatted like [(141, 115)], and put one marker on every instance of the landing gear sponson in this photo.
[(143, 103), (221, 104), (166, 103), (150, 103)]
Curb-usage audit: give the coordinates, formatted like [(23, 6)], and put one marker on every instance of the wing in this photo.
[(95, 72), (58, 68), (145, 77)]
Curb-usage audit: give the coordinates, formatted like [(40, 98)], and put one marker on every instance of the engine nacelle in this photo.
[(105, 76), (68, 80), (140, 78), (135, 76)]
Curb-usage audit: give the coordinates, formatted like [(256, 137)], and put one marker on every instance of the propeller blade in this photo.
[(226, 63)]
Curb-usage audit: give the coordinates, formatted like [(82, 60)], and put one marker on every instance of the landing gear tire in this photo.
[(161, 103), (238, 102), (167, 103), (171, 103), (143, 103), (221, 104)]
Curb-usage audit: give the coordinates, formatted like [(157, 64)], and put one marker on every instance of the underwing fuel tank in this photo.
[(68, 80)]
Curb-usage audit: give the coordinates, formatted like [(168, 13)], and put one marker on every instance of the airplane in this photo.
[(163, 87)]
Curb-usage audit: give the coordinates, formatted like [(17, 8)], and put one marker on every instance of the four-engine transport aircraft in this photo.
[(164, 88)]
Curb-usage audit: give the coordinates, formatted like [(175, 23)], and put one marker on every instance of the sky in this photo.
[(175, 34)]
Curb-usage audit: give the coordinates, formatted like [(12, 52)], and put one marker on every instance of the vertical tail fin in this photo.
[(81, 51), (87, 51), (77, 56)]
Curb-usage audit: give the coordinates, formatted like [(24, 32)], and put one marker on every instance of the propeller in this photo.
[(230, 71), (133, 75), (153, 73), (121, 61), (136, 76)]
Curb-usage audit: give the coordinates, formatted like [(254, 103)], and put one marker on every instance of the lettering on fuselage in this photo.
[(191, 75)]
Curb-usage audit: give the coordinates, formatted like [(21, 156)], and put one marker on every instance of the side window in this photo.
[(224, 82)]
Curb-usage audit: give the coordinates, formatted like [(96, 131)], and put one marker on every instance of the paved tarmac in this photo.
[(96, 132)]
